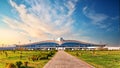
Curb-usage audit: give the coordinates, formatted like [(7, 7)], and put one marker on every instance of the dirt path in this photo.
[(65, 60)]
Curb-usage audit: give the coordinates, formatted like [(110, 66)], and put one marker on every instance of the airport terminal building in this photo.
[(60, 44)]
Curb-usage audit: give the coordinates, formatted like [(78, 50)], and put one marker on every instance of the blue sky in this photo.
[(93, 21)]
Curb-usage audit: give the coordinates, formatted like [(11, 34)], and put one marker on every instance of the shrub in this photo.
[(26, 64), (18, 63), (44, 57), (77, 54), (34, 58), (10, 65)]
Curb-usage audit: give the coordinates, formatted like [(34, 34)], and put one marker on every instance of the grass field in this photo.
[(99, 59), (25, 56)]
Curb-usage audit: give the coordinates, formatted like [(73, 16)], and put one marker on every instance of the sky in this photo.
[(92, 21)]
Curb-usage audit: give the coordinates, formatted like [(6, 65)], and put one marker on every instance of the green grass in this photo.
[(99, 59), (14, 57)]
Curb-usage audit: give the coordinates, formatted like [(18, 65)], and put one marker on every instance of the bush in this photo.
[(18, 63), (77, 54), (10, 65), (51, 53), (26, 64), (34, 58), (43, 57)]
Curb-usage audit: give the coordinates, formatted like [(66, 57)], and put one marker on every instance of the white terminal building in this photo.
[(61, 44)]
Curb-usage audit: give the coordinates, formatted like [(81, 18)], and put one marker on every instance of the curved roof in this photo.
[(61, 43)]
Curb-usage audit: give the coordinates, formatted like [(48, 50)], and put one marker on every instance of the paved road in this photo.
[(65, 60)]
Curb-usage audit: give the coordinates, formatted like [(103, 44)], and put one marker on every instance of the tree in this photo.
[(6, 54)]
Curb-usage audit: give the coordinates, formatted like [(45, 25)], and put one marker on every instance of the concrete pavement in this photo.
[(65, 60)]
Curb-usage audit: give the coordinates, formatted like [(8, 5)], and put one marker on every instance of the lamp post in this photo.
[(30, 44), (29, 41)]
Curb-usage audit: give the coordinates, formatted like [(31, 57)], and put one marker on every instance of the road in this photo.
[(65, 60)]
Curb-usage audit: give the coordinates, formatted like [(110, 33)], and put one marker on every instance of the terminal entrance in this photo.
[(60, 48)]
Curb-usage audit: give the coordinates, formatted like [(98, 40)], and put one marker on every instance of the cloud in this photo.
[(96, 18), (11, 37), (43, 18)]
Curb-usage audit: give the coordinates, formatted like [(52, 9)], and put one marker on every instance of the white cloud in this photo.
[(97, 18), (43, 19), (11, 37)]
